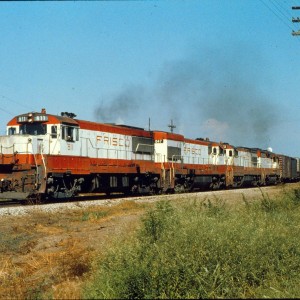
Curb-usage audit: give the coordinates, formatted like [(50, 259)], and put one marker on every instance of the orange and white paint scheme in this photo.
[(58, 156)]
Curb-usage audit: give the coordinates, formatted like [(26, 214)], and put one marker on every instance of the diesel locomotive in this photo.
[(58, 156)]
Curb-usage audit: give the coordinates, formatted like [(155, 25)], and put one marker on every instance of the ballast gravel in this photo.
[(230, 196)]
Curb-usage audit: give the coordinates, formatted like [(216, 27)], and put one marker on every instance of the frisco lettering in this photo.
[(114, 141), (190, 150)]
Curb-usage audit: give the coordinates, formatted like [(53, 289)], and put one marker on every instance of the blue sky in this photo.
[(227, 69)]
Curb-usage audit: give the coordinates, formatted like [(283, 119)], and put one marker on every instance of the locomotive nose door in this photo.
[(39, 149)]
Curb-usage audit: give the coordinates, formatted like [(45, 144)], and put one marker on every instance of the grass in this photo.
[(50, 255), (204, 250), (179, 249)]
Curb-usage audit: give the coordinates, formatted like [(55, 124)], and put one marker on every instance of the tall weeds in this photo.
[(203, 250)]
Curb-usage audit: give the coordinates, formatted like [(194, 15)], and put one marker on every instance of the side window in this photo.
[(63, 133), (209, 148), (77, 134), (230, 153), (11, 131), (70, 134), (214, 150), (54, 132)]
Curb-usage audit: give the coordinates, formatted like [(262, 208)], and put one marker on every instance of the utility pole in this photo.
[(172, 126), (296, 20)]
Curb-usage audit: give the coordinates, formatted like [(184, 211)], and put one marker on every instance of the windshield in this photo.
[(33, 129)]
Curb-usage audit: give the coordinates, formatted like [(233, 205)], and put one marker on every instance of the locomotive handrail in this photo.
[(6, 147), (128, 153), (43, 160), (4, 154), (180, 160)]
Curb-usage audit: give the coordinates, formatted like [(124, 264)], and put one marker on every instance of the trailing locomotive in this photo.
[(50, 156)]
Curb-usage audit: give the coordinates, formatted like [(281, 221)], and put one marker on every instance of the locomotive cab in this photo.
[(42, 133), (217, 153), (30, 139)]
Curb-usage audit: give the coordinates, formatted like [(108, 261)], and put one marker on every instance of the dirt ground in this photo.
[(50, 255)]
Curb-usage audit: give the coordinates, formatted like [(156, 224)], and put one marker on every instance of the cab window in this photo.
[(54, 132), (70, 134), (11, 131), (33, 129)]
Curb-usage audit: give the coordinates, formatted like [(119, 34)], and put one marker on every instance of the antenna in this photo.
[(172, 126), (296, 20)]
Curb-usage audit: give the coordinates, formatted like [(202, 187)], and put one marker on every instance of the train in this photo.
[(47, 156)]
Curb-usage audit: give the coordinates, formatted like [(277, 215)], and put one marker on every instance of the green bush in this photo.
[(204, 250)]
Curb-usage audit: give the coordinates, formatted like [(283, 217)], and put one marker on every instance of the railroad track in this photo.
[(13, 207), (8, 203), (16, 207), (80, 197)]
